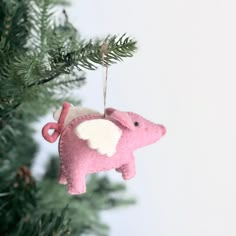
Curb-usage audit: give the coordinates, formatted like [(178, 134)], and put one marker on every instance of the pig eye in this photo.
[(136, 123)]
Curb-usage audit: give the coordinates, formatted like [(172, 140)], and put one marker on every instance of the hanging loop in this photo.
[(104, 51)]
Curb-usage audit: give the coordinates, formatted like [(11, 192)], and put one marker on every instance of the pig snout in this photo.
[(154, 133), (159, 131), (163, 129)]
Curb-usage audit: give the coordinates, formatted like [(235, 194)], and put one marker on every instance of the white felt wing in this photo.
[(73, 113), (102, 135)]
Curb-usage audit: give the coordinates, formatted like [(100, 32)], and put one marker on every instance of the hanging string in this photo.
[(104, 50)]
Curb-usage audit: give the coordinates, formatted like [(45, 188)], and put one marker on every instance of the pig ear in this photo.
[(122, 117), (109, 111)]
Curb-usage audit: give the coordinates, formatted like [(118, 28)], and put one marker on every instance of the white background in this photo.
[(184, 76)]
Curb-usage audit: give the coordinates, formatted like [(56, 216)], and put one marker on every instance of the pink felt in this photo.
[(57, 127), (65, 109), (50, 137), (109, 111), (78, 160), (122, 117)]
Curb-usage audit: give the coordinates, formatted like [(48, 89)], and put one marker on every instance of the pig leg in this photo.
[(119, 169), (76, 181), (128, 170), (62, 175)]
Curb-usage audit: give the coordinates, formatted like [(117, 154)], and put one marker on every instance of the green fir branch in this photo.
[(52, 224), (89, 53), (41, 23), (88, 56)]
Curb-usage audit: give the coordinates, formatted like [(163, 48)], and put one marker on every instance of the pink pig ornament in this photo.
[(91, 142)]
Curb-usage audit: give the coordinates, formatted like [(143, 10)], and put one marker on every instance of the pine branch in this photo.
[(89, 53), (87, 56), (40, 23), (51, 224), (44, 80), (44, 18), (14, 20)]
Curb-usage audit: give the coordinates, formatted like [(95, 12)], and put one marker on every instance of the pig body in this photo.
[(78, 157)]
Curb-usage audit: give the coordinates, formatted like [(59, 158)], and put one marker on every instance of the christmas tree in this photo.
[(41, 62)]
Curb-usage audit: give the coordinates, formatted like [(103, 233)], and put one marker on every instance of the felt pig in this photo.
[(91, 142)]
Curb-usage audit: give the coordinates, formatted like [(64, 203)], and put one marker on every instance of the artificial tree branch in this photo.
[(43, 81)]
